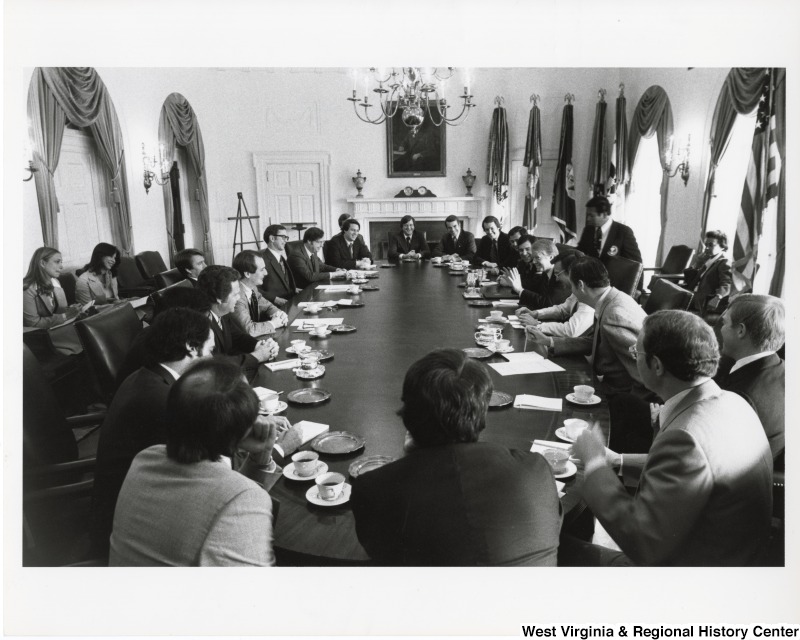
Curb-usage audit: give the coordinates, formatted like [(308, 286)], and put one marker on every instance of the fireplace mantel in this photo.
[(366, 210)]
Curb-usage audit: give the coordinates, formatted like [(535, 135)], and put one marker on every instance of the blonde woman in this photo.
[(44, 303)]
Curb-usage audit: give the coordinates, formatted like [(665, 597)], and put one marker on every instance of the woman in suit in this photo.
[(98, 281), (44, 303)]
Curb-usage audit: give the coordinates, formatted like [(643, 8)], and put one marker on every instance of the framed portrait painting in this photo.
[(420, 155)]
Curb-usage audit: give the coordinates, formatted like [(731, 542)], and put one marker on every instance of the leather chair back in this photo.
[(107, 338), (168, 278), (157, 296), (666, 295), (46, 437), (678, 259), (68, 283), (624, 274), (150, 264), (131, 283)]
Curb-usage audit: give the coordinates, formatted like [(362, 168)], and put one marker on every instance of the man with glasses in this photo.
[(279, 285)]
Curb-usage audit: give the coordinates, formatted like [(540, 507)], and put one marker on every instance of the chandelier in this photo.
[(414, 92)]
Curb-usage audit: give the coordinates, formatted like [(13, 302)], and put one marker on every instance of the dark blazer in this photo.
[(540, 291), (338, 255), (398, 244), (276, 282), (506, 256), (466, 504), (464, 246), (134, 422), (233, 343), (304, 268), (763, 384), (715, 281), (620, 242)]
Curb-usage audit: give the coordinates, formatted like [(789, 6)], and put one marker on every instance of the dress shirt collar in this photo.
[(598, 304), (604, 233), (309, 253), (748, 359), (278, 254), (216, 318), (712, 260), (171, 371), (248, 291), (669, 406)]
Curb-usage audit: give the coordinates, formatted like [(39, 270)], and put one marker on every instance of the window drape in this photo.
[(653, 114), (178, 125), (779, 111), (81, 97), (740, 93)]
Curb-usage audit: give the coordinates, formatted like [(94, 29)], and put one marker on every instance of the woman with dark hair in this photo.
[(455, 501), (44, 303), (98, 281), (709, 277), (182, 504)]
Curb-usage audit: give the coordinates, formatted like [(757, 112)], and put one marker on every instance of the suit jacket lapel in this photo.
[(599, 316), (275, 267)]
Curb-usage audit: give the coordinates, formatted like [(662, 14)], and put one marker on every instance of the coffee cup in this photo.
[(354, 289), (575, 427), (436, 260), (557, 459), (298, 345), (330, 485), (502, 345), (583, 392), (305, 463), (309, 360), (321, 331), (269, 402), (313, 308), (496, 314)]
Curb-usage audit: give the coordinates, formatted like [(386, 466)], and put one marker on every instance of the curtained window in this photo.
[(643, 204)]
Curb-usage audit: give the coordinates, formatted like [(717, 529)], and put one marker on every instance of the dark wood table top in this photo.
[(418, 308)]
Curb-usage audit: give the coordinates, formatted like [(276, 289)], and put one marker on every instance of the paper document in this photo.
[(524, 401), (551, 444), (283, 364), (506, 303), (327, 303), (522, 363), (334, 288), (309, 323), (308, 431)]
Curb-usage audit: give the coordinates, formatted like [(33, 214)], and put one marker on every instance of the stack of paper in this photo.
[(327, 303), (283, 364), (524, 401), (310, 323), (506, 303), (334, 288)]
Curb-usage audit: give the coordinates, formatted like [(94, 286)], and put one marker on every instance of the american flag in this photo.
[(761, 186)]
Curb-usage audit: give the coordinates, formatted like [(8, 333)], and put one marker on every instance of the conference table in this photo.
[(418, 308)]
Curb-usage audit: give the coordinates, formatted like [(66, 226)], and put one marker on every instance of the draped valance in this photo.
[(178, 125), (58, 95)]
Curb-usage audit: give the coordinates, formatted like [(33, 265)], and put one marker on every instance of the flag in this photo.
[(533, 160), (598, 155), (563, 207), (497, 165), (619, 170), (760, 186)]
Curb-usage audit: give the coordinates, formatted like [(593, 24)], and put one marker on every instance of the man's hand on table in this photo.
[(279, 319), (265, 350)]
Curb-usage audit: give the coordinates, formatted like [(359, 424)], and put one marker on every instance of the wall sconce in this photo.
[(682, 157), (29, 157), (150, 164)]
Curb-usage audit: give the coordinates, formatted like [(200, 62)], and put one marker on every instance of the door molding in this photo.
[(320, 158)]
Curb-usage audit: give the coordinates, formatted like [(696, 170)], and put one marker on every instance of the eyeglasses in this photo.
[(284, 237), (558, 273)]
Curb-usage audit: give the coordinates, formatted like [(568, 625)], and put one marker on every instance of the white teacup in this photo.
[(496, 314), (320, 331), (309, 360), (298, 345), (436, 260), (305, 463), (583, 392), (502, 345), (354, 289), (575, 427), (313, 308), (330, 485), (269, 402)]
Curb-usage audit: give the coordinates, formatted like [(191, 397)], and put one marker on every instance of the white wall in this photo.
[(242, 111)]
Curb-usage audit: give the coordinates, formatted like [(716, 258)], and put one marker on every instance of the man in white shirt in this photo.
[(254, 313)]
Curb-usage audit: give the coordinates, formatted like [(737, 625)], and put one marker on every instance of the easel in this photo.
[(240, 227)]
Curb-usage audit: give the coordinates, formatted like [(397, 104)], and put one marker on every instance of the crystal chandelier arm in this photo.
[(441, 109)]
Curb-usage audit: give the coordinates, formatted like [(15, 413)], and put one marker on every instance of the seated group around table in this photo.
[(185, 463)]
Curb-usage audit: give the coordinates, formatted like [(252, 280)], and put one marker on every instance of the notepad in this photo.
[(283, 364), (540, 403), (309, 323), (334, 288)]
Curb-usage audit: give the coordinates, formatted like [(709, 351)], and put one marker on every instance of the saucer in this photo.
[(570, 471), (369, 287), (292, 349), (571, 398), (508, 349), (315, 335), (561, 432), (310, 374), (281, 408), (312, 495), (288, 471), (358, 280), (309, 310)]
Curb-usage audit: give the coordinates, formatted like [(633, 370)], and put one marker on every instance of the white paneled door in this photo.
[(82, 188)]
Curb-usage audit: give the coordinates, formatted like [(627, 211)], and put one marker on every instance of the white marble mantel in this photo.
[(366, 210)]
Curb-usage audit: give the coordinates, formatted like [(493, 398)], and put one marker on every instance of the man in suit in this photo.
[(190, 262), (604, 238), (409, 243), (709, 277), (753, 329), (347, 249), (254, 313), (515, 233), (618, 321), (305, 263), (534, 279), (705, 492), (494, 249), (136, 417), (455, 501), (455, 243), (279, 285), (221, 287)]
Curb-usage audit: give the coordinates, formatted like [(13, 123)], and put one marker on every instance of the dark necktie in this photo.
[(598, 239), (408, 242), (350, 246), (493, 252), (253, 307), (283, 265)]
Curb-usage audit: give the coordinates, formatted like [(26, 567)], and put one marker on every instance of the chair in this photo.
[(150, 264), (624, 274), (157, 296), (666, 295), (678, 259), (168, 278), (131, 283), (106, 339), (68, 283)]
